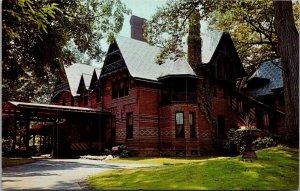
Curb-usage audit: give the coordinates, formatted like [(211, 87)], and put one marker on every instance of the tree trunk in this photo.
[(288, 41)]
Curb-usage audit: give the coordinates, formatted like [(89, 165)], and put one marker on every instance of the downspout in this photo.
[(158, 121)]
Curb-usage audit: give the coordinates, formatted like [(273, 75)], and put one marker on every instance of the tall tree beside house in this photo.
[(170, 24), (288, 40), (249, 23), (36, 35), (251, 26)]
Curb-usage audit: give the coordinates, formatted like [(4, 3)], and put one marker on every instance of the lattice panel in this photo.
[(204, 135), (166, 133), (148, 132)]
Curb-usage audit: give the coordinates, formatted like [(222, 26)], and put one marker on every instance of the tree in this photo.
[(169, 25), (38, 53), (251, 26), (288, 41)]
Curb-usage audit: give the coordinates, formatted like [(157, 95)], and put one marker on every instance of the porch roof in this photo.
[(13, 105)]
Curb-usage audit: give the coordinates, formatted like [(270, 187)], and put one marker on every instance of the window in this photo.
[(240, 106), (266, 120), (179, 124), (115, 87), (113, 129), (129, 123), (192, 125), (221, 124), (120, 88)]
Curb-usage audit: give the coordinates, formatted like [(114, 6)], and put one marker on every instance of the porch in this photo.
[(62, 130)]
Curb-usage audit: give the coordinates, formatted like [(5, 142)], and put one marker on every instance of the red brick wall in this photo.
[(170, 144)]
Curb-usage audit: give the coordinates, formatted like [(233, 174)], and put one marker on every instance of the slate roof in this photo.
[(87, 79), (98, 72), (140, 57), (268, 70), (210, 41), (175, 68), (74, 73)]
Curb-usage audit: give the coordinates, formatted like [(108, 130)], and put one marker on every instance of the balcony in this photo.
[(179, 97)]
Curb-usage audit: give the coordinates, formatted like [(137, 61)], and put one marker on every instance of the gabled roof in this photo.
[(74, 73), (268, 70), (87, 80), (210, 42), (98, 72), (176, 68), (140, 59), (95, 77)]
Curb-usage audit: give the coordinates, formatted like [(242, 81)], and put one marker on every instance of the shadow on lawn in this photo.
[(274, 170)]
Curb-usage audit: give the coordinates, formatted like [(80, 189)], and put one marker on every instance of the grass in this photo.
[(276, 169), (158, 160), (7, 162)]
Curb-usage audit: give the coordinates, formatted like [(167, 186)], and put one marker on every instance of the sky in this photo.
[(140, 8)]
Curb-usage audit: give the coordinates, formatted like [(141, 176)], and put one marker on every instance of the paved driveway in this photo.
[(55, 174)]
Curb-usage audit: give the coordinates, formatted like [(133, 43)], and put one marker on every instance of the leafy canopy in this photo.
[(170, 23), (37, 35)]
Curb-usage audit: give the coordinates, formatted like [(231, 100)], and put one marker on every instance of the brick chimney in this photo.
[(137, 24), (194, 40)]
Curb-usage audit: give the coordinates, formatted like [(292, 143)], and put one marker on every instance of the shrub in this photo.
[(263, 142), (123, 151), (235, 144), (107, 152), (6, 146)]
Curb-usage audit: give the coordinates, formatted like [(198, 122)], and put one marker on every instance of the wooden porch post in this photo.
[(15, 126), (27, 123), (55, 141)]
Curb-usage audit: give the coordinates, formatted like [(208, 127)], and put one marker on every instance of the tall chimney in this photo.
[(137, 30), (194, 40)]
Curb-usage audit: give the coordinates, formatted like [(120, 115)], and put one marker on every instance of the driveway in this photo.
[(55, 174)]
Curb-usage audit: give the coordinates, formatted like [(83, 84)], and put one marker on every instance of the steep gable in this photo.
[(140, 60), (74, 73)]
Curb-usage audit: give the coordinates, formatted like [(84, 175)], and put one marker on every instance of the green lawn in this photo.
[(277, 168), (159, 160)]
